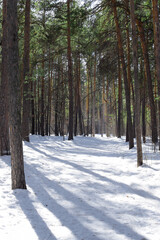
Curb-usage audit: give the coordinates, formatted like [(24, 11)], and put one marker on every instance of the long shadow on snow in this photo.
[(122, 186), (30, 210), (42, 230), (69, 220), (82, 147)]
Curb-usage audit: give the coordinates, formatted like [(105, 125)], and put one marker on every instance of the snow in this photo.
[(86, 189)]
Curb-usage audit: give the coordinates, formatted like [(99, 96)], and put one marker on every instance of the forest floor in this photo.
[(86, 189)]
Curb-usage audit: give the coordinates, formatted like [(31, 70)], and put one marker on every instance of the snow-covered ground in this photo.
[(86, 189)]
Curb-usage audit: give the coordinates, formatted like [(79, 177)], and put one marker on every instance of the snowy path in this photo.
[(88, 189)]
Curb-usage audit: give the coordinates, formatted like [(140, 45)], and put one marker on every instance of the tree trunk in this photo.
[(127, 91), (107, 108), (17, 165), (26, 94), (70, 77), (38, 108), (137, 87), (48, 108), (144, 115), (156, 28), (87, 99), (32, 108), (149, 81), (94, 98), (57, 103), (42, 98), (119, 124), (4, 128)]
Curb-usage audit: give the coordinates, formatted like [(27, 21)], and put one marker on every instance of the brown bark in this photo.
[(42, 98), (107, 108), (94, 99), (79, 97), (4, 128), (115, 106), (63, 105), (38, 108), (156, 28), (127, 91), (102, 107), (137, 86), (57, 101), (70, 77), (119, 124), (17, 165), (149, 81), (26, 94), (48, 107), (87, 99), (32, 108)]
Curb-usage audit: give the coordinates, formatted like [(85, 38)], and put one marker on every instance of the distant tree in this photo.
[(26, 63), (156, 29), (137, 86), (70, 77)]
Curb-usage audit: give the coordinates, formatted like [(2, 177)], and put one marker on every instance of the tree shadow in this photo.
[(76, 218), (121, 185), (25, 202), (41, 229)]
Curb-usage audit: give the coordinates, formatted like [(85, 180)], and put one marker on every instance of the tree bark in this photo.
[(137, 86), (94, 98), (17, 165), (42, 98), (119, 124), (32, 109), (70, 77), (87, 99), (156, 28), (26, 94), (4, 127)]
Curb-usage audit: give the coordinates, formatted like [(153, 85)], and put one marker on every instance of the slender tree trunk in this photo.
[(76, 101), (70, 77), (57, 80), (63, 104), (4, 128), (130, 83), (107, 109), (115, 106), (137, 87), (48, 107), (87, 99), (17, 165), (156, 28), (94, 98), (127, 91), (119, 130), (79, 97), (102, 107), (38, 108), (144, 116), (42, 99), (32, 108), (149, 81), (26, 94)]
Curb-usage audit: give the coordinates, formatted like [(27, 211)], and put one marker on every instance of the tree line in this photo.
[(69, 68)]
